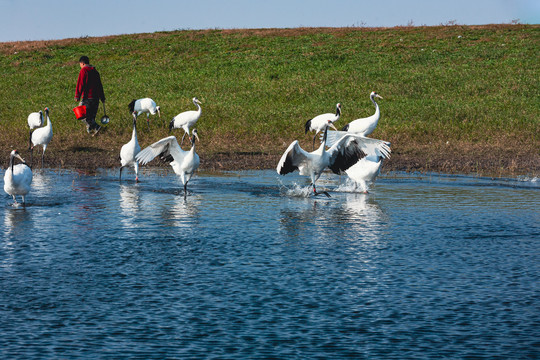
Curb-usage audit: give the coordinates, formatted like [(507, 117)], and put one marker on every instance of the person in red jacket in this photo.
[(89, 91)]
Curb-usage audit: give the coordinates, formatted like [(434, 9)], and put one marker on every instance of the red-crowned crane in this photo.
[(17, 178), (41, 136), (187, 119), (365, 126), (321, 122), (145, 105), (35, 120), (339, 157), (184, 163), (130, 150), (366, 169)]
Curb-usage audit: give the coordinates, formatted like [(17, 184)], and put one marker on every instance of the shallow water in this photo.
[(251, 266)]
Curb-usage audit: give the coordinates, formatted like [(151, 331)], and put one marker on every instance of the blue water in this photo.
[(248, 266)]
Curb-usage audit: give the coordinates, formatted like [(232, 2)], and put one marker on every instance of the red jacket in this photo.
[(89, 84)]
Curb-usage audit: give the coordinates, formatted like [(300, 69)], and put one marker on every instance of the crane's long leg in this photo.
[(30, 140), (185, 191), (313, 146), (43, 155), (121, 167), (183, 138), (315, 193), (31, 156)]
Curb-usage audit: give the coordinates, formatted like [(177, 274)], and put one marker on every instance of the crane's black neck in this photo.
[(325, 135), (12, 162)]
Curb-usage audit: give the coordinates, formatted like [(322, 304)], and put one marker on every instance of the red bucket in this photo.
[(80, 112)]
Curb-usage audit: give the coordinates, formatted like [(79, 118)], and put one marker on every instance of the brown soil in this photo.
[(443, 158), (450, 161), (504, 157)]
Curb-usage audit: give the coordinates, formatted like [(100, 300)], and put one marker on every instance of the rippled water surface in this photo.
[(247, 266)]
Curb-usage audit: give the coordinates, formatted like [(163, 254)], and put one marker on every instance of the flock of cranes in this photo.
[(346, 151), (349, 151), (184, 163)]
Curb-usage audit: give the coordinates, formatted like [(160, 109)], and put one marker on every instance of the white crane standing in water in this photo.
[(368, 168), (130, 150), (186, 119), (184, 163), (321, 122), (17, 178), (144, 105), (41, 136), (34, 120), (338, 158)]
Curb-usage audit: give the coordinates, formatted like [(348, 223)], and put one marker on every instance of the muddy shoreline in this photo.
[(507, 157), (482, 161)]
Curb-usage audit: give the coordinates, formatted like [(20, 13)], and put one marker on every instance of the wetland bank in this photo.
[(457, 99)]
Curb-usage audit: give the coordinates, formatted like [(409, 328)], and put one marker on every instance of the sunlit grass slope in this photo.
[(447, 90)]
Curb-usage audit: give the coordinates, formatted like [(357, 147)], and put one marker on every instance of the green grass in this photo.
[(477, 86)]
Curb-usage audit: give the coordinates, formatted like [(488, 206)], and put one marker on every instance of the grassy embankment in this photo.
[(456, 98)]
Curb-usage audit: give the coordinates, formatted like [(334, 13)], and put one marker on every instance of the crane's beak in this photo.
[(20, 158), (158, 112), (332, 126), (193, 137), (379, 96)]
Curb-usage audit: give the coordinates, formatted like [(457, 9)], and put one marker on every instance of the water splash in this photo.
[(295, 189), (528, 179), (350, 186)]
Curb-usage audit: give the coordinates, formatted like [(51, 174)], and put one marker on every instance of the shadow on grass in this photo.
[(88, 149)]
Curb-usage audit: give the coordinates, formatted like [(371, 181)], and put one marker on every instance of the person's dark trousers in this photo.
[(92, 106)]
